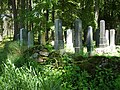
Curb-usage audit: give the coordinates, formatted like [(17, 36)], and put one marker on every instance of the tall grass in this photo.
[(20, 73), (25, 78)]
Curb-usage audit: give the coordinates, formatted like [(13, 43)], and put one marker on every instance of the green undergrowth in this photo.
[(58, 72)]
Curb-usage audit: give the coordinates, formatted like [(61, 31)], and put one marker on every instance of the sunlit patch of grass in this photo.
[(25, 78)]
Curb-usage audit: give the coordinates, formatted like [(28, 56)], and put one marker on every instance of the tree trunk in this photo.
[(30, 9), (22, 14), (96, 13), (16, 31), (47, 28), (53, 19)]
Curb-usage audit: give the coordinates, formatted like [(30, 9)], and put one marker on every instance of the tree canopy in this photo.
[(40, 14)]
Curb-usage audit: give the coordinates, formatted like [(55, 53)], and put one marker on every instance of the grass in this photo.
[(73, 72)]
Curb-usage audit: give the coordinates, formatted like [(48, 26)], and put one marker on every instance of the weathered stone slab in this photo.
[(69, 44), (107, 37), (30, 39), (78, 36), (23, 37), (90, 41), (102, 43), (59, 43)]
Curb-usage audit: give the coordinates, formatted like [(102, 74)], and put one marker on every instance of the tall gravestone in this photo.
[(30, 39), (102, 43), (23, 37), (59, 43), (97, 37), (78, 36), (112, 37), (107, 37), (89, 41), (69, 44), (112, 40)]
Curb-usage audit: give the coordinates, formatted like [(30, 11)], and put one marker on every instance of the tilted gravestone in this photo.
[(107, 37), (89, 41), (30, 39), (59, 43), (78, 36), (102, 43), (69, 44), (23, 37)]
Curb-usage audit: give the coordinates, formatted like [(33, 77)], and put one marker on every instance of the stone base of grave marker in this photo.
[(59, 44), (77, 49), (102, 42)]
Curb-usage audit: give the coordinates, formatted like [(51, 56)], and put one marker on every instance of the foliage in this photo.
[(74, 72), (26, 78)]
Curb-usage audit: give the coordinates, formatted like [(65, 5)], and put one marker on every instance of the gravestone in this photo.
[(78, 36), (69, 44), (59, 43), (107, 37), (23, 37), (89, 41), (112, 38), (97, 37), (30, 39), (102, 43), (18, 37)]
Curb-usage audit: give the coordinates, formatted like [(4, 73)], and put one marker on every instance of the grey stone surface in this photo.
[(23, 37), (59, 43), (112, 37), (102, 43), (78, 36), (69, 44), (89, 41), (30, 39), (107, 37)]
